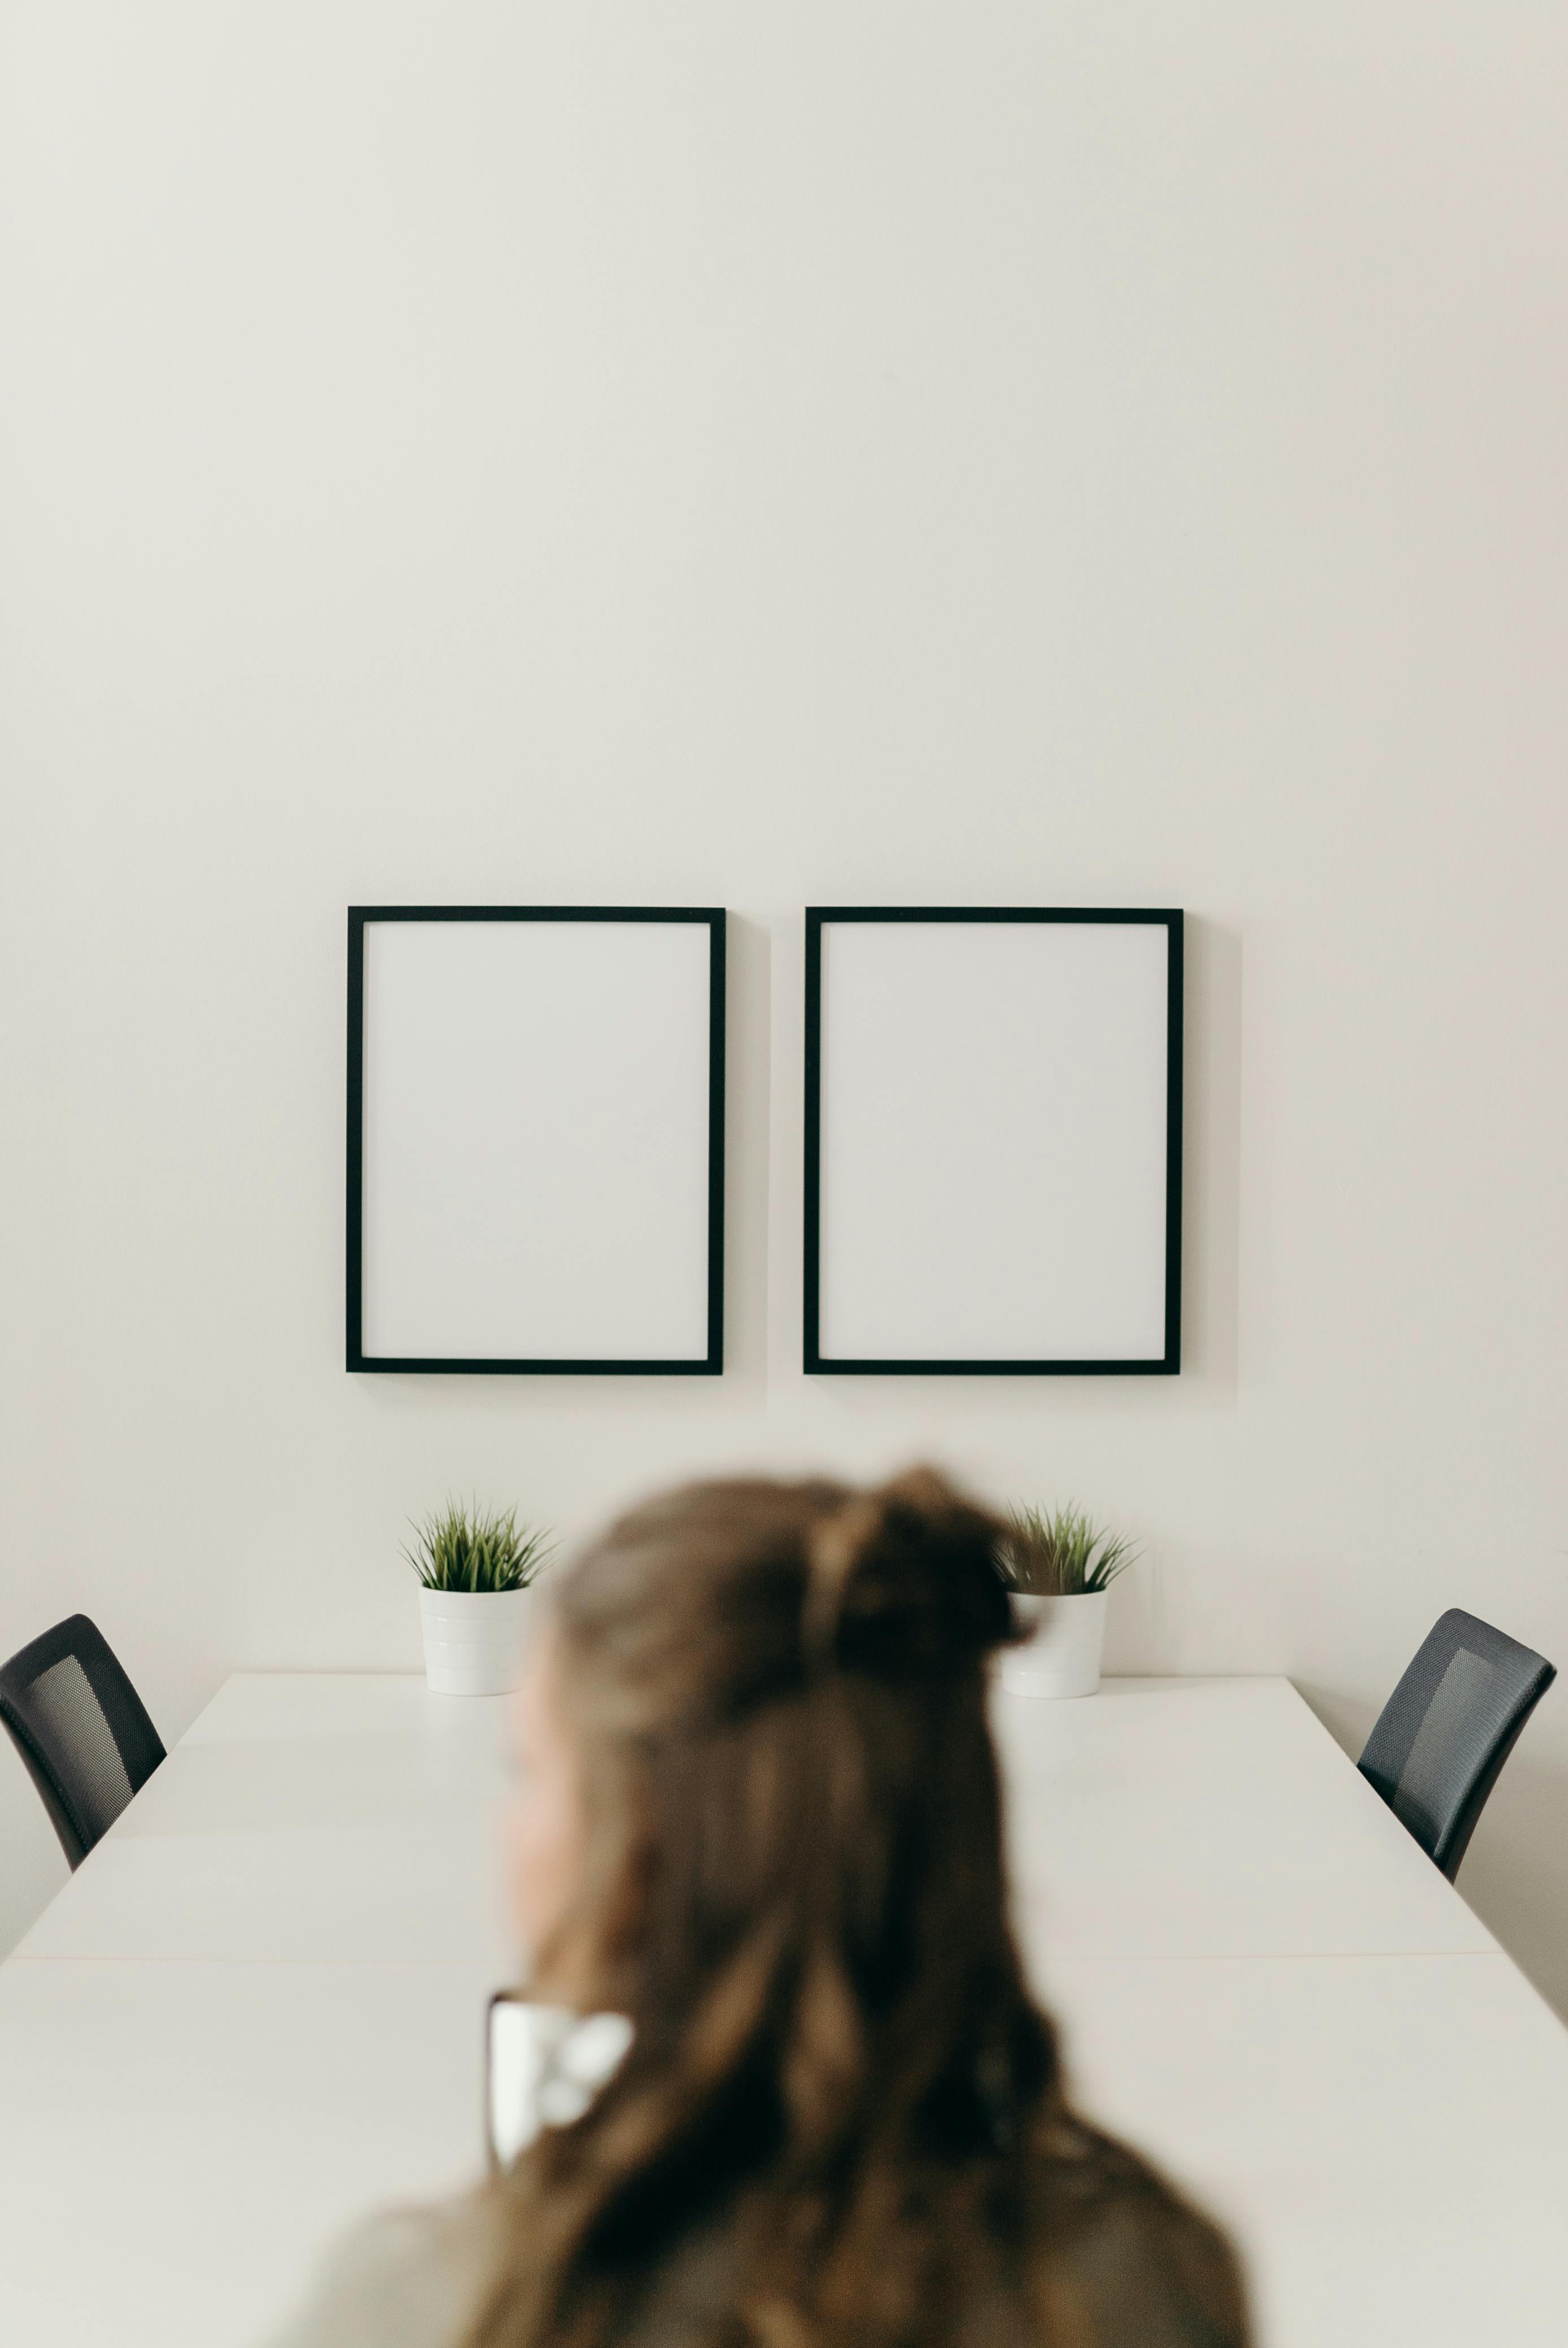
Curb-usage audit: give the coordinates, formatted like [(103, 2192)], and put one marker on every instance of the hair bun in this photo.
[(903, 1582)]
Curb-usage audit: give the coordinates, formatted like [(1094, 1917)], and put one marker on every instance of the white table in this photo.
[(257, 2008), (1209, 1818), (306, 1817)]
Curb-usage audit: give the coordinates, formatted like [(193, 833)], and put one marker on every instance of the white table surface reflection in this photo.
[(257, 2008)]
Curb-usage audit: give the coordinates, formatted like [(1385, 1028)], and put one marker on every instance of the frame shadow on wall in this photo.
[(1209, 1219)]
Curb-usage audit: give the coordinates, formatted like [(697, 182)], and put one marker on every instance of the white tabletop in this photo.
[(1208, 1818), (347, 1819), (355, 1818), (181, 2139), (1387, 2137), (256, 2008)]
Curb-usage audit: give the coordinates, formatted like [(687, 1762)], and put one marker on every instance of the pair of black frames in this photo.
[(711, 1364)]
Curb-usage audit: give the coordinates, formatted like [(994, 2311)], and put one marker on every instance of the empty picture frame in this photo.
[(536, 1139), (993, 1141)]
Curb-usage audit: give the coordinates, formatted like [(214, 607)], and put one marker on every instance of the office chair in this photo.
[(81, 1729), (1440, 1743)]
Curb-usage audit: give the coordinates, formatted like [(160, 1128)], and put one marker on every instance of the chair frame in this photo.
[(80, 1636), (1421, 1676)]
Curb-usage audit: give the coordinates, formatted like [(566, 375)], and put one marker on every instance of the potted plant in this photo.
[(1059, 1568), (477, 1570)]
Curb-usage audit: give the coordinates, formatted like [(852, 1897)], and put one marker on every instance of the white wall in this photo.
[(752, 455)]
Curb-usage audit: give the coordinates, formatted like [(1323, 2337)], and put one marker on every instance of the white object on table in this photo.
[(259, 2006), (474, 1639), (547, 2063), (1060, 1659)]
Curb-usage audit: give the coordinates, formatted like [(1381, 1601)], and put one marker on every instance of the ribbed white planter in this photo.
[(1062, 1655), (473, 1641)]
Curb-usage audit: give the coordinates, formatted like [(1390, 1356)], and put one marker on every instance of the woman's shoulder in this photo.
[(1120, 2261), (1130, 2264), (1141, 2262), (401, 2279)]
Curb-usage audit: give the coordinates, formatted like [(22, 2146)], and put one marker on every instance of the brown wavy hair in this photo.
[(795, 1890)]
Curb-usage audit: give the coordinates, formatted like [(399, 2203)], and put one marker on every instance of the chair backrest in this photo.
[(1442, 1737), (81, 1727)]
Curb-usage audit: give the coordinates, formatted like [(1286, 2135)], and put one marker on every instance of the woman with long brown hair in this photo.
[(761, 1820)]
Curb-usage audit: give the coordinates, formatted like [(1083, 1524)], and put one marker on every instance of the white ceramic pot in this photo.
[(1062, 1653), (473, 1640)]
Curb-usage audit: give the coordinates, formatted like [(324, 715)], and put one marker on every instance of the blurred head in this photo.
[(761, 1818), (755, 1720)]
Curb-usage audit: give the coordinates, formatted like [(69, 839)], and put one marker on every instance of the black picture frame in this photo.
[(711, 1364), (1168, 1363)]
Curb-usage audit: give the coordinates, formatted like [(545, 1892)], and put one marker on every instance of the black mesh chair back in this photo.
[(1441, 1739), (81, 1727)]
